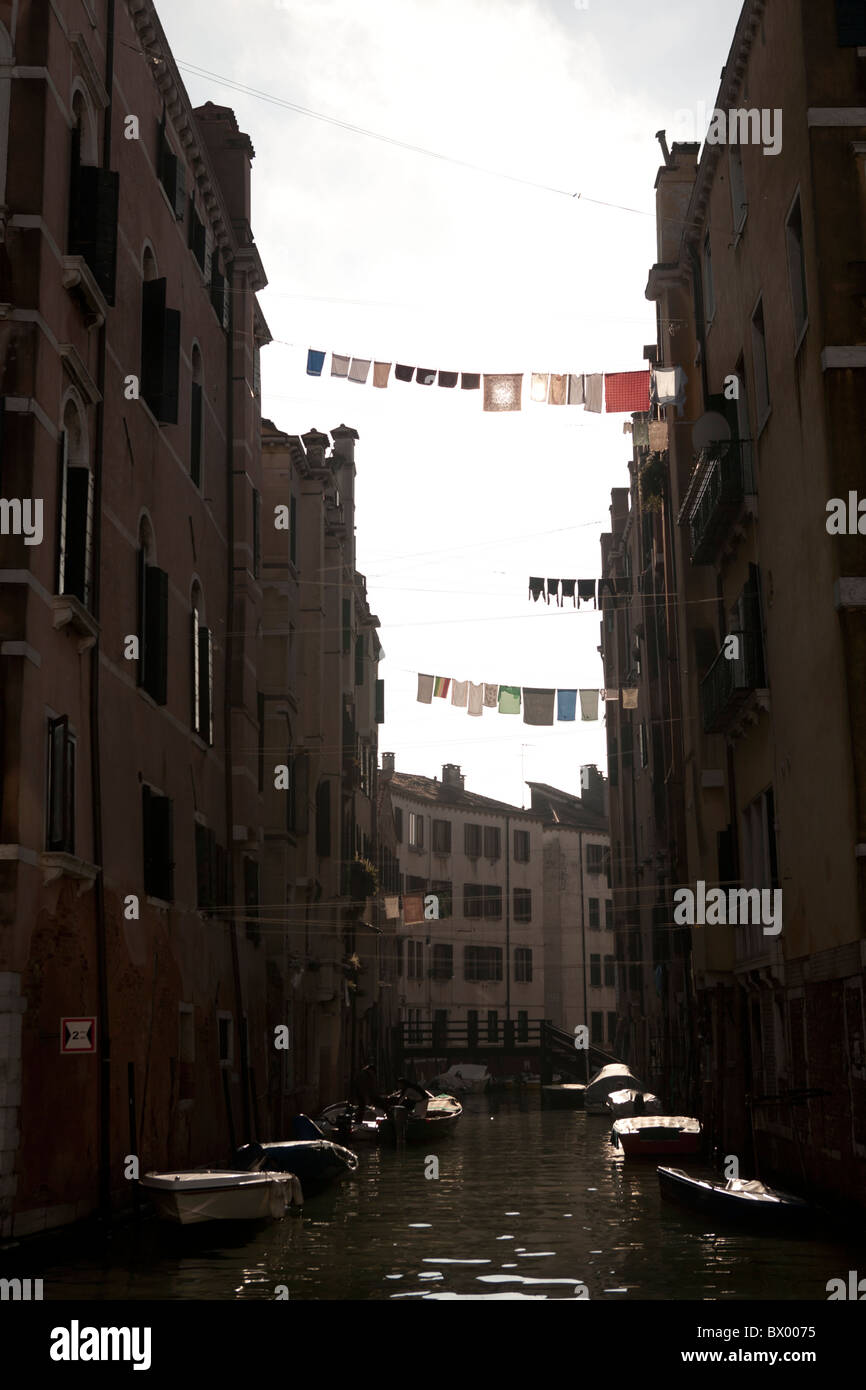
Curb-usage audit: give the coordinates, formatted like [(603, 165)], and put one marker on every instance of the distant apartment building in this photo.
[(579, 952), (759, 601), (477, 970)]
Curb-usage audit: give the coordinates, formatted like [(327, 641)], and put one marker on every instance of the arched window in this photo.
[(160, 343), (196, 440), (93, 199), (152, 617), (75, 529), (201, 667)]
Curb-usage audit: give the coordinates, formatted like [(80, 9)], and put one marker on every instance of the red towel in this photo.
[(626, 391)]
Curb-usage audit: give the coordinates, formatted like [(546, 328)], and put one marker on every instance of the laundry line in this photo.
[(536, 702)]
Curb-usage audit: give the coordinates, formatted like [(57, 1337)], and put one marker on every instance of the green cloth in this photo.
[(509, 699)]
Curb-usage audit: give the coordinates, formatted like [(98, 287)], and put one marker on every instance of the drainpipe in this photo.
[(104, 1082), (507, 919), (583, 945)]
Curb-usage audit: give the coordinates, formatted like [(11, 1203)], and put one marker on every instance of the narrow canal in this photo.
[(529, 1203)]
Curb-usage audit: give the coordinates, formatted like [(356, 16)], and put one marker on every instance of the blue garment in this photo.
[(315, 362), (566, 704)]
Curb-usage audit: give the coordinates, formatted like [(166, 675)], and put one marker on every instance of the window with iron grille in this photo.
[(60, 830), (441, 837), (523, 965), (482, 963), (523, 904)]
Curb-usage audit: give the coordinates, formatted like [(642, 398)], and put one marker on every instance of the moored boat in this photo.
[(207, 1194), (429, 1120), (339, 1122), (739, 1200), (644, 1136), (464, 1078), (615, 1077), (316, 1161), (568, 1096), (631, 1102)]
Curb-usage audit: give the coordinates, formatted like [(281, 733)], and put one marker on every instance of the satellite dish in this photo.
[(712, 428)]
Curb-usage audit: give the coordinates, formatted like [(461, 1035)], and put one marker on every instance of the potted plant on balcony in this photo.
[(363, 879), (651, 479)]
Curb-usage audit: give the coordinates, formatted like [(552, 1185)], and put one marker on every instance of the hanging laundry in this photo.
[(491, 696), (626, 391), (669, 386), (441, 685), (568, 588), (403, 373), (392, 908), (359, 370), (558, 388), (628, 427), (339, 365), (315, 362), (413, 908), (536, 588), (575, 390), (425, 689), (608, 584), (641, 433), (425, 376), (593, 388), (588, 705), (540, 386), (658, 436), (476, 700), (629, 697), (381, 373), (470, 381), (538, 706), (586, 591), (566, 705), (448, 379), (459, 693), (509, 699), (502, 390), (553, 591), (610, 694)]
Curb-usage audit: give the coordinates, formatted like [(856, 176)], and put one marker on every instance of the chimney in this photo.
[(451, 776), (387, 764), (315, 444), (344, 443)]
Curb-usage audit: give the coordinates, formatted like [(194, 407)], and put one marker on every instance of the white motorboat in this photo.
[(208, 1194), (630, 1102), (616, 1077), (465, 1078)]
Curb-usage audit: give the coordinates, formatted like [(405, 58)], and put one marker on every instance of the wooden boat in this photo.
[(463, 1078), (338, 1122), (429, 1120), (207, 1194), (315, 1161), (739, 1200), (631, 1102), (566, 1097), (643, 1136), (616, 1077)]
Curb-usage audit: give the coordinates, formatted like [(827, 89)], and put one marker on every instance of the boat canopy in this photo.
[(611, 1078)]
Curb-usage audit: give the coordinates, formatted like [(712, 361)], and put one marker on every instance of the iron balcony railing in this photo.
[(729, 480), (730, 680)]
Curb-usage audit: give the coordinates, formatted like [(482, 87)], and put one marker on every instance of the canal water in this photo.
[(529, 1204)]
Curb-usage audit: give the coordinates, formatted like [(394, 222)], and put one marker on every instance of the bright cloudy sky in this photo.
[(378, 252)]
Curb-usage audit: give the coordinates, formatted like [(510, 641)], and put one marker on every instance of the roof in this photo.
[(563, 808), (430, 789)]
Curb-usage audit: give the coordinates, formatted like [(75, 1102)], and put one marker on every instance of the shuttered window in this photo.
[(171, 172), (152, 629), (201, 643), (93, 205), (196, 433), (60, 830), (197, 235), (851, 23), (160, 352), (205, 868), (158, 845), (75, 528)]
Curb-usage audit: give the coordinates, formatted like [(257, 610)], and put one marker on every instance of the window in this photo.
[(523, 965), (196, 422), (492, 842), (360, 658), (323, 820), (492, 1026), (252, 900), (60, 830), (472, 841), (440, 1029), (398, 824), (473, 900), (611, 1028), (643, 744), (201, 659), (398, 956), (442, 889), (522, 1025), (205, 868), (521, 846), (492, 901), (472, 1027), (707, 282), (851, 23), (482, 963), (75, 502), (158, 845), (759, 354), (198, 238), (416, 831), (609, 967), (443, 962), (595, 971), (739, 206), (594, 918), (608, 914), (171, 172), (225, 1039), (293, 530), (523, 904), (594, 858), (93, 200), (160, 352), (415, 969), (347, 626), (152, 622), (220, 296), (441, 837), (797, 268), (597, 1029)]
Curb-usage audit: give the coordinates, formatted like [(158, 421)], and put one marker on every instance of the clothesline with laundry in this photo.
[(578, 590), (615, 393), (536, 702)]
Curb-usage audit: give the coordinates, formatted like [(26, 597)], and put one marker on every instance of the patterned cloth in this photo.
[(425, 376), (626, 391), (502, 391), (491, 696), (441, 685)]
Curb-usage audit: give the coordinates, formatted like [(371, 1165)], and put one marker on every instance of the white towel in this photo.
[(491, 696), (476, 699), (670, 386), (595, 392), (360, 369), (540, 381), (459, 693), (425, 690)]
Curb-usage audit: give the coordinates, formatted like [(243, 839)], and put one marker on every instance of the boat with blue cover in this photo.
[(317, 1161)]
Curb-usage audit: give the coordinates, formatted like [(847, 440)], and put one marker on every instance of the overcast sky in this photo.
[(375, 251)]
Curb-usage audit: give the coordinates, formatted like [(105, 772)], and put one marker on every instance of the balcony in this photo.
[(734, 685), (726, 478)]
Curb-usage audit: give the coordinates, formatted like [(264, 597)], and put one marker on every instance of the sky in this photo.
[(379, 252)]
